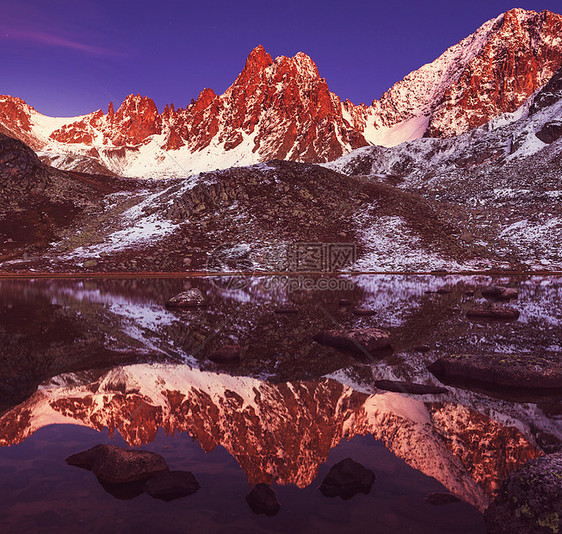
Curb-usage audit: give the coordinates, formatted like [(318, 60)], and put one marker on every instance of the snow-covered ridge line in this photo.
[(283, 109)]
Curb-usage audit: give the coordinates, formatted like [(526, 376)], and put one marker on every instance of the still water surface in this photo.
[(85, 362)]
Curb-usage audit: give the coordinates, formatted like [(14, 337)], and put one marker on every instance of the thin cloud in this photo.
[(50, 39)]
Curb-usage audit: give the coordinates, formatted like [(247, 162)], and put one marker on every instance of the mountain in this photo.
[(283, 109), (490, 72), (278, 109), (506, 171), (487, 198)]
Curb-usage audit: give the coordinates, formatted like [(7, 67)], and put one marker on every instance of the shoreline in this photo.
[(202, 274)]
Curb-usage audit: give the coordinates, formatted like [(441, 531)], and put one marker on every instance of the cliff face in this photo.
[(522, 53)]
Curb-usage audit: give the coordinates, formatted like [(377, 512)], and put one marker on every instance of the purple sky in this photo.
[(72, 57)]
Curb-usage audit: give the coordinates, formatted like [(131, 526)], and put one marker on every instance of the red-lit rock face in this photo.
[(135, 120), (289, 109), (283, 109), (471, 437), (284, 106), (83, 131), (522, 54), (15, 111), (15, 120)]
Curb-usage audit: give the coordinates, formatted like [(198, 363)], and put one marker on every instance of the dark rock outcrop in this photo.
[(192, 298), (497, 372), (550, 132), (226, 354), (549, 94), (263, 500), (38, 202), (408, 387), (494, 312), (530, 499), (500, 293), (170, 485), (360, 341)]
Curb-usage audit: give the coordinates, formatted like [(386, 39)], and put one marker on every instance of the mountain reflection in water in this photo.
[(106, 354)]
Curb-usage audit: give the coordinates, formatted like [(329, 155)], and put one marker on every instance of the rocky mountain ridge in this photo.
[(283, 109)]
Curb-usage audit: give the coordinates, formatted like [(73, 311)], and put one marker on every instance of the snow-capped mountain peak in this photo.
[(283, 108)]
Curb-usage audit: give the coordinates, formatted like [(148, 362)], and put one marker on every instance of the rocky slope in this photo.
[(38, 202), (466, 203), (507, 171), (283, 109), (254, 218), (245, 218)]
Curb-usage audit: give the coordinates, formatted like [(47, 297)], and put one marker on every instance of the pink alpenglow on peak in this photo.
[(283, 108)]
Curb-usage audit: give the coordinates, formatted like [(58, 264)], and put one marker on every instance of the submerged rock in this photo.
[(495, 311), (357, 341), (126, 491), (346, 479), (170, 485), (408, 387), (497, 372), (117, 465), (530, 499), (263, 500), (192, 298), (500, 292)]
